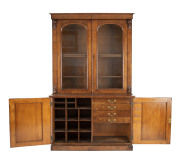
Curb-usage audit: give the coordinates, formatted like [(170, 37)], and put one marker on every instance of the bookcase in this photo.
[(91, 106)]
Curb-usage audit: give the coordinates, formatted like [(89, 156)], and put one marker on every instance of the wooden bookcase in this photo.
[(91, 106)]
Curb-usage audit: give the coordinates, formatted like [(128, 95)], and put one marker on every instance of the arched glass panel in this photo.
[(74, 57), (110, 57)]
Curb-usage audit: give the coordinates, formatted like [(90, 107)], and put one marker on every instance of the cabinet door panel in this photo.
[(151, 120), (30, 121), (73, 51), (109, 56)]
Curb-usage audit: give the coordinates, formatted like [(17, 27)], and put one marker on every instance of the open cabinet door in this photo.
[(30, 121), (152, 120)]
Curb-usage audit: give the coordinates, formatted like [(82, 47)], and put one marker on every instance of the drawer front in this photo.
[(112, 119), (111, 107), (111, 101), (122, 113)]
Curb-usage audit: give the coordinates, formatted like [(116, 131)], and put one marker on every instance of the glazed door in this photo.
[(30, 122), (109, 56), (151, 120), (73, 56)]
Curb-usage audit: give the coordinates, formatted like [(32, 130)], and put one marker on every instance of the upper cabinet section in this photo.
[(91, 53)]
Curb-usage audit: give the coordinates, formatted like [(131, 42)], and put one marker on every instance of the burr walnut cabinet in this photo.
[(91, 107)]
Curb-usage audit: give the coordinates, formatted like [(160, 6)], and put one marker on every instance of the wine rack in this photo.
[(72, 120)]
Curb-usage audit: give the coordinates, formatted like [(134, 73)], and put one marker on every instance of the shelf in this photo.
[(59, 130), (59, 108), (111, 139), (59, 141), (110, 76), (74, 76), (110, 55), (59, 119), (59, 102), (70, 102), (85, 119), (72, 119), (85, 130), (74, 55)]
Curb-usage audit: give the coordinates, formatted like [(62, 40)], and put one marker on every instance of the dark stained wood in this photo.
[(151, 120), (30, 121), (90, 16)]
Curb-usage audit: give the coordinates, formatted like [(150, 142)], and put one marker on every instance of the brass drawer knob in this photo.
[(109, 114), (114, 120), (114, 106), (109, 120)]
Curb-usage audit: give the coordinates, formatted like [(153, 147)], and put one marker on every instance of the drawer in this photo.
[(111, 101), (111, 107), (112, 119), (122, 113)]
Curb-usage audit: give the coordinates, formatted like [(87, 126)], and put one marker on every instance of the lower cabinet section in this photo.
[(89, 123)]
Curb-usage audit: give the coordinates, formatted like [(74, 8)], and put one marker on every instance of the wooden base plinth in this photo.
[(56, 147)]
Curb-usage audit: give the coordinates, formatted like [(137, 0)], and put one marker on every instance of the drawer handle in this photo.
[(109, 114), (111, 108), (112, 101), (109, 120)]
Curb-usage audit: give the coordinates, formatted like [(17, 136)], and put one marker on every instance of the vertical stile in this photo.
[(91, 121), (75, 102), (66, 134), (53, 122), (78, 125)]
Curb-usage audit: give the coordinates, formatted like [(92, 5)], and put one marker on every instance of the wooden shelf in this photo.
[(59, 108), (74, 55), (72, 130), (85, 129), (72, 119), (59, 119), (110, 139), (85, 141), (110, 76), (110, 55), (59, 130), (74, 76), (59, 102), (59, 141), (85, 119)]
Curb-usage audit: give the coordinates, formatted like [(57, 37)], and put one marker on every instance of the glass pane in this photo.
[(74, 57), (110, 57)]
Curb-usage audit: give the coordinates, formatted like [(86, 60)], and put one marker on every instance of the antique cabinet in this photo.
[(91, 107)]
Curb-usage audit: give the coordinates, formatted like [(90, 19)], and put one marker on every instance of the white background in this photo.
[(26, 60)]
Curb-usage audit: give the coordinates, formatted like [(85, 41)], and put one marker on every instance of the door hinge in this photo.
[(51, 103), (131, 138), (54, 24), (51, 138)]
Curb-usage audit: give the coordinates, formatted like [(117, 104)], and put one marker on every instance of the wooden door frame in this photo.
[(57, 63), (137, 120), (126, 55), (46, 121)]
